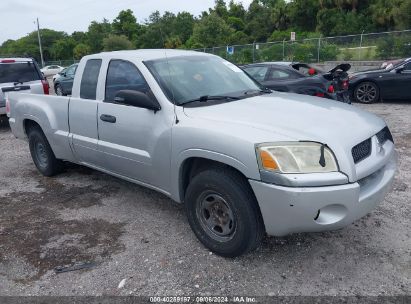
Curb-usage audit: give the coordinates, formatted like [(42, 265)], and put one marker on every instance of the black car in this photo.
[(64, 83), (302, 78), (382, 84)]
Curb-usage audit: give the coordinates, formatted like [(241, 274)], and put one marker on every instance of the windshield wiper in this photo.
[(262, 91), (206, 98)]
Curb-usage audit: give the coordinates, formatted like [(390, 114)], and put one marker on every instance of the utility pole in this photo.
[(359, 52), (319, 49), (41, 50), (254, 51)]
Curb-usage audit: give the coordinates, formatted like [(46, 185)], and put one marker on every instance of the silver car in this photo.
[(244, 161), (21, 75)]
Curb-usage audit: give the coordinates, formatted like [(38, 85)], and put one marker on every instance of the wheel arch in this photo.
[(29, 123), (192, 165), (58, 144)]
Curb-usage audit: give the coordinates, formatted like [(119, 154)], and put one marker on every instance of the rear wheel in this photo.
[(42, 154), (223, 212), (366, 92)]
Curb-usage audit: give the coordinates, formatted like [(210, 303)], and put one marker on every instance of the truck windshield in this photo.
[(18, 72), (187, 78)]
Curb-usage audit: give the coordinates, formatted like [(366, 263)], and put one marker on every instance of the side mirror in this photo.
[(137, 99)]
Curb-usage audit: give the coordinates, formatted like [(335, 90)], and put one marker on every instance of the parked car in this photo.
[(242, 160), (382, 84), (302, 78), (64, 83), (51, 70), (20, 74), (58, 75)]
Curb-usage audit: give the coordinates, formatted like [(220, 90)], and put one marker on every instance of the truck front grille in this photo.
[(361, 151)]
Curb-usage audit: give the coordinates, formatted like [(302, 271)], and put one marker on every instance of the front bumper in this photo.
[(288, 210)]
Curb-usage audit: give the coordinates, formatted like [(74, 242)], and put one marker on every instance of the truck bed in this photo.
[(50, 112)]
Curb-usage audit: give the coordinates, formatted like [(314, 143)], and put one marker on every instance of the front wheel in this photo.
[(42, 154), (223, 212), (366, 92)]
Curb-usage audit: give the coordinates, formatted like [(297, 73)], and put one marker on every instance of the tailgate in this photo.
[(34, 87)]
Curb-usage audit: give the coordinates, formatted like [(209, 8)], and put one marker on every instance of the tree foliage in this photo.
[(228, 22), (116, 43)]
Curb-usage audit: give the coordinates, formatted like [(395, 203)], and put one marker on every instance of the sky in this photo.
[(17, 17)]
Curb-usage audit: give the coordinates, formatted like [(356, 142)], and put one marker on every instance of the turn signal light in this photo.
[(267, 161)]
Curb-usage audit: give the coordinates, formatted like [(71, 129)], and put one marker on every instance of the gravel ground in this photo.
[(143, 237)]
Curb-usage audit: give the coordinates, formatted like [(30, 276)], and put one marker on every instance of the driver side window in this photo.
[(123, 75)]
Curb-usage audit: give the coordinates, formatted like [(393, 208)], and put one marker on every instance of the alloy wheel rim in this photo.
[(366, 93), (41, 154), (216, 217)]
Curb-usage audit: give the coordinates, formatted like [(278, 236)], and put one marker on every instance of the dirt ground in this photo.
[(136, 234)]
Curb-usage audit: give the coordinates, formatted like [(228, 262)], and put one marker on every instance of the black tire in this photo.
[(239, 206), (42, 154), (366, 92), (59, 90)]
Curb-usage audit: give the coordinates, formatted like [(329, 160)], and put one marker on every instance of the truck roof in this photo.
[(146, 54)]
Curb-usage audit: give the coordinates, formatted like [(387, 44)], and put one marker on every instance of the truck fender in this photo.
[(177, 167)]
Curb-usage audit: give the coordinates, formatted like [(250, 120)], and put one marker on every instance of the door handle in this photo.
[(108, 118)]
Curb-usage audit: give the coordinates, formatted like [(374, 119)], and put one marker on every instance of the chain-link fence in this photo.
[(63, 63), (361, 47)]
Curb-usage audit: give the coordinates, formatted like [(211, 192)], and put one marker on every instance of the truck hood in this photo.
[(297, 117)]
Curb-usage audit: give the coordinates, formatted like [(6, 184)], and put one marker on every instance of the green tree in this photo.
[(117, 43), (402, 15), (81, 50), (79, 37), (236, 10), (63, 49), (220, 9), (303, 14), (211, 30), (125, 24), (97, 31), (258, 21), (236, 23)]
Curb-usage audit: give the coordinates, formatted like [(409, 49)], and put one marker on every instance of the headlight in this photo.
[(296, 157)]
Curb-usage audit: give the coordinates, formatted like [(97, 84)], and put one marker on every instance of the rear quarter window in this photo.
[(18, 72), (89, 80)]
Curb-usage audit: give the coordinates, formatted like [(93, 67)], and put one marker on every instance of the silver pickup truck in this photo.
[(242, 159)]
